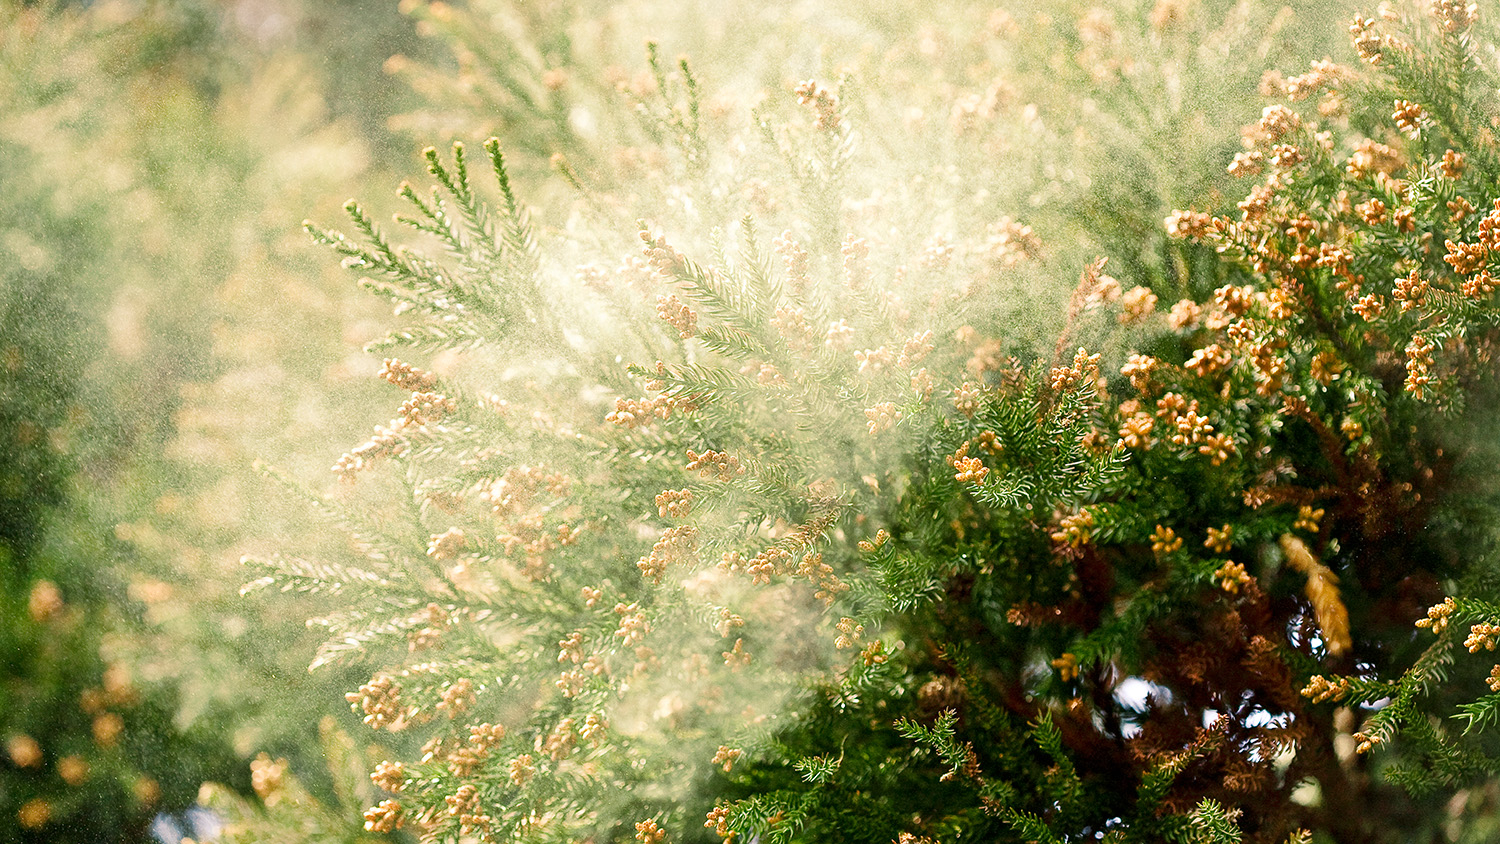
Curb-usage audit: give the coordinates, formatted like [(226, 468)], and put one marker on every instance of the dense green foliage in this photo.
[(1041, 424), (843, 540)]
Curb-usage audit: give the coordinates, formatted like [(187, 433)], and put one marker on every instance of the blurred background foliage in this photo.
[(162, 325), (164, 322)]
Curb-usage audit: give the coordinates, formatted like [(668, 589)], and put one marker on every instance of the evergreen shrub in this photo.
[(798, 521)]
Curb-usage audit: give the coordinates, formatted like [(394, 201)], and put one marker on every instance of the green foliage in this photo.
[(1211, 824), (893, 537), (930, 574)]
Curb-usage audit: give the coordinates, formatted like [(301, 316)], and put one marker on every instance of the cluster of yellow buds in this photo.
[(968, 469), (1192, 429), (267, 777), (672, 311), (737, 657), (570, 649), (1438, 615), (1326, 367), (457, 697), (380, 702), (726, 757), (1277, 121), (521, 770), (1454, 16), (966, 398), (1465, 258), (633, 624), (727, 622), (1189, 224), (1219, 540), (1010, 242), (676, 503), (881, 537), (389, 776), (1371, 156), (849, 633), (838, 336), (1308, 518), (45, 601), (1075, 530), (1209, 360), (1409, 117), (916, 347), (1412, 290), (1320, 688), (519, 486), (633, 413), (1419, 364), (1067, 667), (1366, 741), (937, 251), (386, 817), (718, 821), (873, 360), (767, 375), (677, 545), (1185, 315), (386, 442), (1231, 576), (1323, 74), (1482, 635), (1247, 163), (1084, 369), (24, 751), (1453, 164), (1135, 431), (792, 326), (822, 576), (666, 261), (1372, 212), (427, 408), (715, 464), (1478, 286), (560, 743), (1287, 155), (465, 759), (464, 804), (647, 832), (768, 563), (1369, 307), (1136, 305), (881, 417), (593, 729), (923, 384), (406, 376), (1164, 540)]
